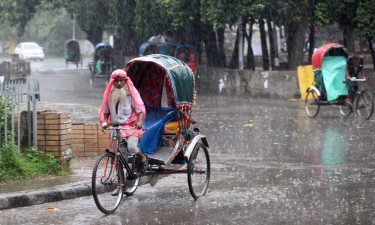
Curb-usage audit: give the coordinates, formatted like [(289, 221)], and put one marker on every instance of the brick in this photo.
[(41, 137), (51, 115), (78, 136), (54, 148), (91, 145), (79, 154), (91, 132), (91, 149), (78, 126), (91, 126), (40, 116), (40, 121), (52, 122), (91, 154), (57, 143), (65, 115), (79, 148)]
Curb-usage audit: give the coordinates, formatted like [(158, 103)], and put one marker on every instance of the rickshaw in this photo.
[(158, 44), (103, 60), (330, 88), (171, 143), (188, 54), (72, 53)]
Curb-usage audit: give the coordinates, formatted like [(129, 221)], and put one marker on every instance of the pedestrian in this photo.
[(353, 70), (122, 106)]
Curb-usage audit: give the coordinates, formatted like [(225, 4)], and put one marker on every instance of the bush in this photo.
[(31, 163)]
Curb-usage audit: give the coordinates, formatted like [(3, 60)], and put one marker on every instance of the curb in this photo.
[(15, 200), (57, 193)]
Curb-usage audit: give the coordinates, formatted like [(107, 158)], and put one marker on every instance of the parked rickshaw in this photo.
[(171, 143), (103, 60), (72, 53), (330, 88), (188, 54)]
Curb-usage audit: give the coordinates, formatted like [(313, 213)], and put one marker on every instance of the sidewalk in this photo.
[(49, 189)]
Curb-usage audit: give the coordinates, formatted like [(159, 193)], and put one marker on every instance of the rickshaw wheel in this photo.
[(104, 181), (364, 105), (199, 170), (345, 109), (312, 104)]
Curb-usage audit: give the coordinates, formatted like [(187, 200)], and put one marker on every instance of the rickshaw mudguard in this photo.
[(314, 88), (193, 143)]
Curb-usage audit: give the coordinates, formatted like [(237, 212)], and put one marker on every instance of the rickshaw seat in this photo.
[(156, 119)]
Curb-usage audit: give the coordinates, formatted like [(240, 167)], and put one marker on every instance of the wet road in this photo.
[(271, 164)]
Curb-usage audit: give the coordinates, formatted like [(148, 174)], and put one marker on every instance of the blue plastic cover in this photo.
[(156, 119)]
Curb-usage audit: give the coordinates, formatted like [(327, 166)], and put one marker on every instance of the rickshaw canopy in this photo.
[(150, 73), (329, 69), (158, 44), (334, 49), (102, 44)]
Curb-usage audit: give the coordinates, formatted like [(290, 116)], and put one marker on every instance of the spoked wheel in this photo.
[(364, 105), (131, 184), (105, 180), (199, 170), (345, 109), (312, 104)]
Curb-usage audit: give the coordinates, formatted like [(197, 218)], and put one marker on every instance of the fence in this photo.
[(10, 102)]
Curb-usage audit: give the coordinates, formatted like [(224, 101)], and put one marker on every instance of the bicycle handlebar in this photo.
[(120, 128), (355, 79)]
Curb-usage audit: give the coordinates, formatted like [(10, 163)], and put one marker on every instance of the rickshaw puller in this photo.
[(353, 68), (123, 106)]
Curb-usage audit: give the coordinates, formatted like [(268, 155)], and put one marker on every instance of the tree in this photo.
[(344, 13), (365, 19)]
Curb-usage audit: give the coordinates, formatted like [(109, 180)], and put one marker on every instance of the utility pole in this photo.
[(240, 43), (74, 26)]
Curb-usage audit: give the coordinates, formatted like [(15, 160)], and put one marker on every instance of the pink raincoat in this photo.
[(138, 103)]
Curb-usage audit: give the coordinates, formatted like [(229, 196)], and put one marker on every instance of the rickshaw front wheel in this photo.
[(364, 105), (199, 170), (345, 109), (312, 104)]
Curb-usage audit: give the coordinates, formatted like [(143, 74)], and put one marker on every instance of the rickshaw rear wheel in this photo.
[(105, 180), (312, 104), (364, 105), (199, 170)]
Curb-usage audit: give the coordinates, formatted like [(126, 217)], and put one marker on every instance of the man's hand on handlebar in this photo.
[(104, 125), (139, 125)]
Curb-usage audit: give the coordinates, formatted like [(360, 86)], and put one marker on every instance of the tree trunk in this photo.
[(234, 60), (263, 39), (209, 40), (273, 46), (372, 51), (311, 42), (348, 36), (221, 49), (296, 39), (250, 54), (94, 36)]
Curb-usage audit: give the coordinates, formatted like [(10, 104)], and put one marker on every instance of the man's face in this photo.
[(119, 82)]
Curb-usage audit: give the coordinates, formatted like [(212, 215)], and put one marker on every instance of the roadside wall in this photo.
[(257, 83)]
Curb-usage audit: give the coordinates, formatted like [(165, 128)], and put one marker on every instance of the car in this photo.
[(29, 50)]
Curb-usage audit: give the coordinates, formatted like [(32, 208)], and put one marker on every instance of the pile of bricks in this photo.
[(54, 135), (89, 140)]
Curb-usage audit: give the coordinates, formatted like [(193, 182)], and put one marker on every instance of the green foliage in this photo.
[(365, 18), (32, 163)]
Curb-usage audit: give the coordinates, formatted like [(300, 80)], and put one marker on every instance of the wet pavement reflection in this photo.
[(271, 164)]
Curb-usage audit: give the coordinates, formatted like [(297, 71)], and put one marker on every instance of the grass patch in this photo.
[(32, 163)]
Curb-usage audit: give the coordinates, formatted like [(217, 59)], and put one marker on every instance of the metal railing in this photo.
[(10, 107)]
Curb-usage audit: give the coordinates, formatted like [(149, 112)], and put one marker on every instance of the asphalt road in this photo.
[(271, 164)]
